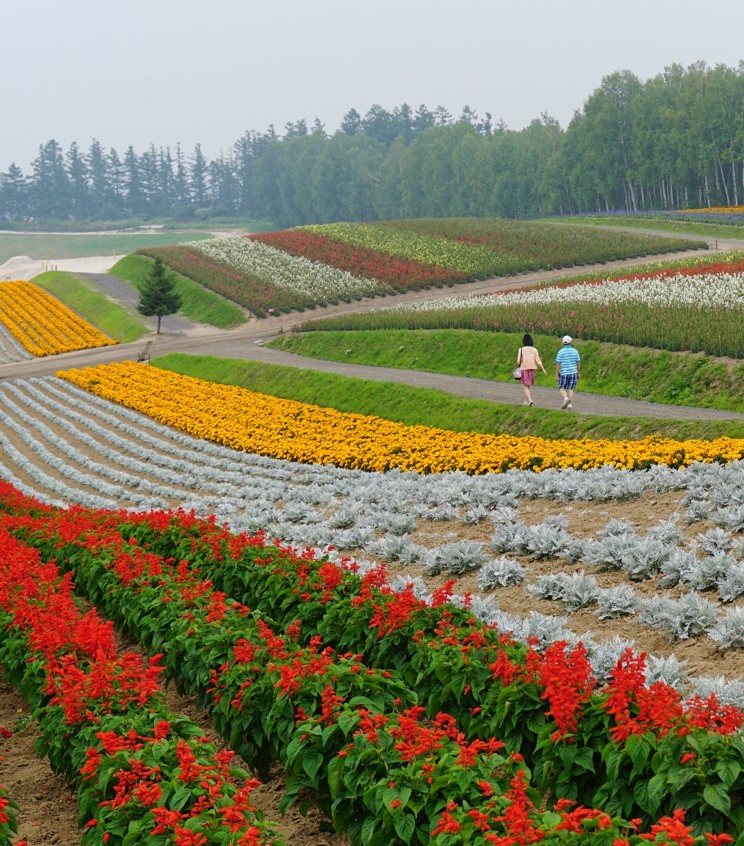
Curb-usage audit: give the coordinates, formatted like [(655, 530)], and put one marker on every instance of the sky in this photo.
[(168, 72)]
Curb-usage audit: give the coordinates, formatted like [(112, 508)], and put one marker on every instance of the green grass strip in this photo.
[(95, 307), (197, 303), (610, 369), (427, 407)]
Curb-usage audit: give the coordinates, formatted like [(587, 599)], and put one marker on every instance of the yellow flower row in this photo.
[(714, 210), (42, 324), (257, 423)]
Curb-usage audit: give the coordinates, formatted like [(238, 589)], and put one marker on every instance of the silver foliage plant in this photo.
[(502, 572), (119, 458)]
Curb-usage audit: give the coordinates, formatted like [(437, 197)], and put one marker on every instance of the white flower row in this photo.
[(311, 279), (705, 290)]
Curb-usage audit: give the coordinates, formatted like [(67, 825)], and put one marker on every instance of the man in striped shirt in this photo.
[(568, 371)]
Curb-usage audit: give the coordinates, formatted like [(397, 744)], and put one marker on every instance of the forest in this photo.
[(674, 141)]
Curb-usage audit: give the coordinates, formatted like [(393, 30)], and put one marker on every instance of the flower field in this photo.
[(309, 434), (34, 323), (310, 265), (356, 664), (696, 307), (400, 274), (482, 247), (324, 654)]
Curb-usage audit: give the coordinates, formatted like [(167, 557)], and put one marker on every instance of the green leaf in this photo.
[(311, 763), (717, 797), (639, 752), (368, 830), (657, 789), (728, 772), (405, 825)]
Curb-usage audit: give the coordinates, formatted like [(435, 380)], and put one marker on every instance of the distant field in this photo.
[(312, 265), (62, 246), (681, 227)]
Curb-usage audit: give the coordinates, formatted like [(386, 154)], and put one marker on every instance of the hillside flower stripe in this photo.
[(42, 324), (286, 429), (140, 770), (400, 274), (697, 290), (311, 280)]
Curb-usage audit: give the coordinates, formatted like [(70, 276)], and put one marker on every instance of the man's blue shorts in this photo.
[(568, 382)]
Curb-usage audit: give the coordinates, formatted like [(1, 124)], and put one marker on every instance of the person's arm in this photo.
[(539, 361)]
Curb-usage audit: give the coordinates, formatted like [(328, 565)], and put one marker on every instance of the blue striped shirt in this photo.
[(569, 359)]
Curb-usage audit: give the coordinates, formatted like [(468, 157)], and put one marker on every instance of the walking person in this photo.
[(528, 358), (568, 371)]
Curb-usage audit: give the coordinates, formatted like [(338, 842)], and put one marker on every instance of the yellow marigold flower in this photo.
[(42, 324), (305, 433)]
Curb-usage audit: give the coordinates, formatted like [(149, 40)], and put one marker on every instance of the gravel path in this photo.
[(248, 342)]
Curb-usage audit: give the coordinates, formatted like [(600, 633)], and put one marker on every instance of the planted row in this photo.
[(42, 324), (305, 433), (8, 819), (697, 307), (398, 273), (601, 744), (139, 769)]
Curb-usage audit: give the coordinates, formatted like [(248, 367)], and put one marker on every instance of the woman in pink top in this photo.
[(528, 358)]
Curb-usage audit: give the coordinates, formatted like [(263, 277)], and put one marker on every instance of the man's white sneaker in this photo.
[(569, 407), (566, 403)]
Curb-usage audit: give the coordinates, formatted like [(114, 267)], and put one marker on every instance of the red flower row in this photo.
[(400, 274)]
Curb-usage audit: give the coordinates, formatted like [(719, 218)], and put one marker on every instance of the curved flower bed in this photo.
[(473, 260), (394, 772), (44, 325), (697, 289), (305, 433)]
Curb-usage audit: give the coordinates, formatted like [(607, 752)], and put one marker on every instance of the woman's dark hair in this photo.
[(527, 340)]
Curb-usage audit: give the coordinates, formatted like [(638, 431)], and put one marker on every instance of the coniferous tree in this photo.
[(158, 297), (14, 200)]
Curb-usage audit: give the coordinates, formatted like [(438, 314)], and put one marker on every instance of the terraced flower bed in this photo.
[(300, 432), (309, 265), (696, 307), (34, 323)]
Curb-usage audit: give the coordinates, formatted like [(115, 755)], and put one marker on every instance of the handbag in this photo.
[(517, 372)]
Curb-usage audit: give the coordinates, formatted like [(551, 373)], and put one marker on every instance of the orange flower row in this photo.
[(42, 324), (280, 428)]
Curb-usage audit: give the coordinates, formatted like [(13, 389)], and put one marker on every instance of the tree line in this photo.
[(673, 141)]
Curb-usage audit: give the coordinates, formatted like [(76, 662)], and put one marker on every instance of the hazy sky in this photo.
[(168, 71)]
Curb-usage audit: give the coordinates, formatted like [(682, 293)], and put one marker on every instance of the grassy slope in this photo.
[(197, 303), (611, 369), (420, 406), (47, 245), (89, 303)]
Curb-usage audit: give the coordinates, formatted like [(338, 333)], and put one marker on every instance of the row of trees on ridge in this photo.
[(674, 141)]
